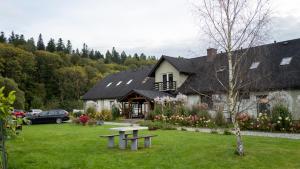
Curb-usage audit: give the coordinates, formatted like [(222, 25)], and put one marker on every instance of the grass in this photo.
[(70, 146)]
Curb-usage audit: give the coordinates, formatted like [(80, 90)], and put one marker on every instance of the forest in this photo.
[(53, 74)]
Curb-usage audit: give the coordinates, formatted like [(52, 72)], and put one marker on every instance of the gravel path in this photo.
[(247, 133), (207, 130)]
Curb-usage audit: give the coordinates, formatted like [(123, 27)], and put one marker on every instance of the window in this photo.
[(254, 65), (118, 83), (285, 61), (129, 81), (244, 96), (207, 99), (108, 84), (263, 105)]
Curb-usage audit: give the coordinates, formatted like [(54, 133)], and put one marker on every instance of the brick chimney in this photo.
[(211, 54)]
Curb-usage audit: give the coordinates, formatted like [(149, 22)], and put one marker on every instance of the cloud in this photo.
[(154, 27)]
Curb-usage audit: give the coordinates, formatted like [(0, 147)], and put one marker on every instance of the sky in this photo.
[(154, 27)]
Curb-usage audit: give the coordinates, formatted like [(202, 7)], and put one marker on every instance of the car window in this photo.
[(44, 113), (52, 112)]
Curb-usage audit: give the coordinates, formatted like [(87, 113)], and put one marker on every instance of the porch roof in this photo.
[(147, 94)]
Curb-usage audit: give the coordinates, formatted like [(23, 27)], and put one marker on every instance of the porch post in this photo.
[(129, 108)]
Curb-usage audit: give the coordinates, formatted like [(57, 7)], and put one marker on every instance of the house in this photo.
[(267, 70)]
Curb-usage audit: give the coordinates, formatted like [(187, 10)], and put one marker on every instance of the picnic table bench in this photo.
[(111, 139), (134, 141)]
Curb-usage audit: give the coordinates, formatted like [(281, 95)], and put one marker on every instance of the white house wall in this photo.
[(103, 104), (193, 100), (250, 105), (166, 67)]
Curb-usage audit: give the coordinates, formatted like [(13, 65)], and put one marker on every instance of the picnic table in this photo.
[(122, 130)]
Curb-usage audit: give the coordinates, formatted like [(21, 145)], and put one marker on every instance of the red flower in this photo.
[(84, 118)]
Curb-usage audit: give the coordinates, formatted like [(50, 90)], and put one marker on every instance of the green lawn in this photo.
[(70, 146)]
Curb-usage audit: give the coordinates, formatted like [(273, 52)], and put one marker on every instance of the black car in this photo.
[(51, 116)]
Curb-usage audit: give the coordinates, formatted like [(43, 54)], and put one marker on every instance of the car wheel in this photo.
[(59, 121)]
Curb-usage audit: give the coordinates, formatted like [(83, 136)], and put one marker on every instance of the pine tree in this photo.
[(12, 37), (60, 47), (115, 56), (136, 56), (51, 45), (2, 38), (143, 56), (84, 51), (108, 57), (30, 45), (77, 52), (98, 55), (68, 49), (40, 44), (22, 40), (123, 57), (92, 54)]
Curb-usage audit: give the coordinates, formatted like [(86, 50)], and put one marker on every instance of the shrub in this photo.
[(155, 112), (281, 117), (227, 132), (219, 119), (157, 125), (91, 112), (104, 115), (77, 114), (263, 122), (295, 127), (201, 110), (84, 119), (115, 112), (182, 110), (245, 121), (168, 110), (76, 120)]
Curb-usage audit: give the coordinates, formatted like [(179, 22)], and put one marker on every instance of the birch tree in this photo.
[(232, 25)]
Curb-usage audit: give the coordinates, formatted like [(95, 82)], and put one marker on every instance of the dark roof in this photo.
[(183, 65), (100, 91), (269, 75), (148, 94)]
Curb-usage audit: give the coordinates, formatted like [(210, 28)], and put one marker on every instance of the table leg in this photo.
[(121, 141), (135, 134), (111, 141)]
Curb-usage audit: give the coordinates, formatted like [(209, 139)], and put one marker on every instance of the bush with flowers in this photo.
[(84, 119), (281, 118), (245, 121), (263, 122)]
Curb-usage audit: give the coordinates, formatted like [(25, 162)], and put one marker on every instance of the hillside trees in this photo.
[(11, 85), (47, 77)]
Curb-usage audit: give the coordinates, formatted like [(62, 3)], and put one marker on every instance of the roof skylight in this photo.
[(286, 61), (254, 65), (129, 81), (145, 80), (108, 84), (118, 83)]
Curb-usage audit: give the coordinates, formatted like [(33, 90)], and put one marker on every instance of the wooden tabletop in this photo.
[(129, 128)]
